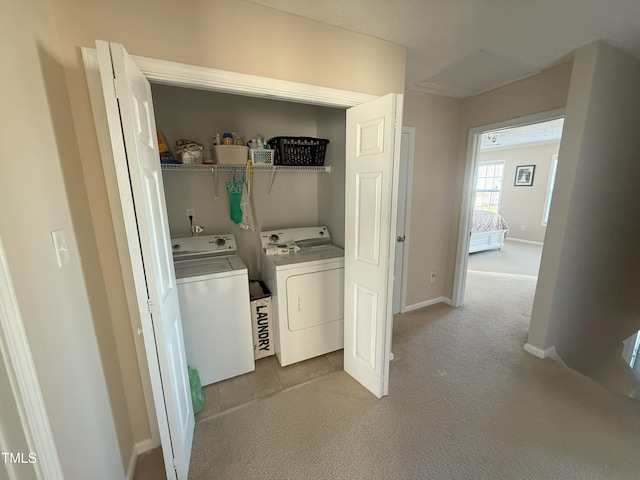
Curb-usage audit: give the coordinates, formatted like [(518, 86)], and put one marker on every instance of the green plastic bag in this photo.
[(234, 189), (197, 398)]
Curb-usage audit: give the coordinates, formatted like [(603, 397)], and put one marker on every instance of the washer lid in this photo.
[(202, 266)]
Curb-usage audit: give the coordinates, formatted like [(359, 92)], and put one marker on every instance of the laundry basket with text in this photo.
[(261, 321)]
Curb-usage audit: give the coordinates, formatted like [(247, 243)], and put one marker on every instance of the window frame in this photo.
[(502, 162)]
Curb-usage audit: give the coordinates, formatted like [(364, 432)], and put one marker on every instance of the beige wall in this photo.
[(541, 93), (442, 126), (331, 188), (586, 302), (69, 330), (436, 120), (223, 34), (198, 115), (213, 33), (524, 206)]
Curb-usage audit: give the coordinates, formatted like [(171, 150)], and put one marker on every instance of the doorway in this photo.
[(509, 179), (403, 223), (372, 146)]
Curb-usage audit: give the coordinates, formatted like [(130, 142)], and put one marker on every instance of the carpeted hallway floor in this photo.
[(466, 402)]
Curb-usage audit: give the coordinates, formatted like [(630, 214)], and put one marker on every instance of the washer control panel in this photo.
[(203, 246)]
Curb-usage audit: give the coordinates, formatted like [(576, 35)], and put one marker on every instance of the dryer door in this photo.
[(315, 298)]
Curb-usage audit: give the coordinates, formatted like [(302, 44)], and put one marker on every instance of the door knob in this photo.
[(400, 238)]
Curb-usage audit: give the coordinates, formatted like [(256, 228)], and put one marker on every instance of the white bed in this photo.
[(488, 230)]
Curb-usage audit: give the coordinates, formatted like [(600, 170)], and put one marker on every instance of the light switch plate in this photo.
[(60, 245)]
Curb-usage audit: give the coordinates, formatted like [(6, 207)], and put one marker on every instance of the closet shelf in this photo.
[(214, 169), (254, 168)]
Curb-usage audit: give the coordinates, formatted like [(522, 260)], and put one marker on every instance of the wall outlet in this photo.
[(191, 212), (522, 228), (432, 278)]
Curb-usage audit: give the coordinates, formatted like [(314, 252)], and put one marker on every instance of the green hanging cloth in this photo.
[(234, 189)]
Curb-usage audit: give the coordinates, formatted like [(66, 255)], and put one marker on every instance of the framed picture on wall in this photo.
[(524, 175)]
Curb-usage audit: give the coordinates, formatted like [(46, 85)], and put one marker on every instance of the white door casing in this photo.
[(161, 323), (468, 189), (24, 387), (404, 212), (119, 190), (372, 171)]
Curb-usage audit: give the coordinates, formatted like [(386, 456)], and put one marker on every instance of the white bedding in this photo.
[(487, 231), (485, 221)]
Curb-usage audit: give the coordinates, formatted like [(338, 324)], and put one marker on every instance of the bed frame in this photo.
[(487, 240)]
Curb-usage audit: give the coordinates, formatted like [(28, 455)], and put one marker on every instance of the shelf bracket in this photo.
[(273, 177), (215, 183)]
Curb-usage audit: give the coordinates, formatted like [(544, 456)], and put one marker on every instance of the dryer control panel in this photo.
[(287, 236)]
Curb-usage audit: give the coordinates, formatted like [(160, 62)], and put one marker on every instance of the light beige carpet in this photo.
[(515, 257), (466, 402)]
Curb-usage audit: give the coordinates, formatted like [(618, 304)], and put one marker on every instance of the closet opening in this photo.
[(197, 198), (127, 133)]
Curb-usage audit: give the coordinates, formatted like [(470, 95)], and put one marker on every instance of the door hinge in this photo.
[(149, 305), (115, 88)]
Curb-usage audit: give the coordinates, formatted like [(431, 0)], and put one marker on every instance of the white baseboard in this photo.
[(537, 352), (146, 445), (138, 449), (530, 242), (132, 464), (426, 303)]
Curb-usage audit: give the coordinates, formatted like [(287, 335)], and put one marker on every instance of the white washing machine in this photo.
[(307, 288), (213, 290)]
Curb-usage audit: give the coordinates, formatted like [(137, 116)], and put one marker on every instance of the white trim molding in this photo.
[(146, 445), (133, 460), (520, 240), (23, 378), (192, 76), (92, 72), (549, 352), (408, 193), (189, 76), (426, 303), (137, 450)]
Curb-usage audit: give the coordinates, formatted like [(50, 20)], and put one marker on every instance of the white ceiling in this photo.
[(439, 34), (550, 131)]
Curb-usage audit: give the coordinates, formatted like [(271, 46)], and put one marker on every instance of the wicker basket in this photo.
[(299, 151), (261, 157)]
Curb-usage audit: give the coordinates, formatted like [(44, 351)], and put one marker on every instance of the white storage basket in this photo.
[(261, 156), (229, 154)]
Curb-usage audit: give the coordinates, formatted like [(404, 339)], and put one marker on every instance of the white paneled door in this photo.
[(372, 172), (127, 95)]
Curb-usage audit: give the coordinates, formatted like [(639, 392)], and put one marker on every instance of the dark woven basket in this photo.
[(299, 151)]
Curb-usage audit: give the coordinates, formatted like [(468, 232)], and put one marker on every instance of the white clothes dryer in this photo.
[(307, 287), (213, 291)]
